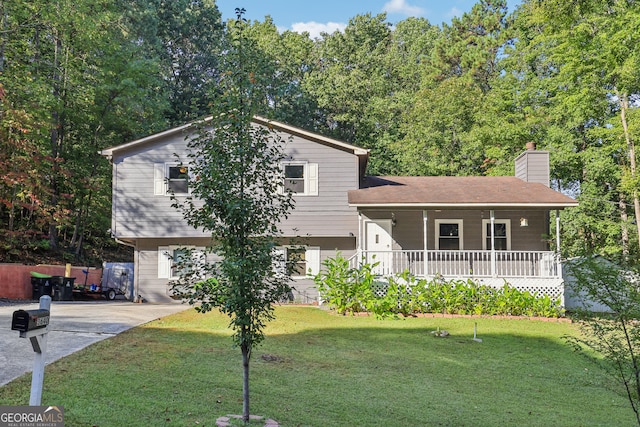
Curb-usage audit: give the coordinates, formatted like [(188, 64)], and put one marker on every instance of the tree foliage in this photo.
[(462, 98), (364, 79), (289, 56), (573, 59), (182, 39), (611, 339), (78, 77), (236, 195)]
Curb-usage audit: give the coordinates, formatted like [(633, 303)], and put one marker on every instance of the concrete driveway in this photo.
[(73, 326)]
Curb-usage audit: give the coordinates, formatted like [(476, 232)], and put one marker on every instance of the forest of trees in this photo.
[(458, 99)]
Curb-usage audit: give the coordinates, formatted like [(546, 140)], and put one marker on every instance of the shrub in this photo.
[(345, 288), (348, 290)]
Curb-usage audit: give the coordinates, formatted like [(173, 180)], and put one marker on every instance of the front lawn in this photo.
[(320, 369)]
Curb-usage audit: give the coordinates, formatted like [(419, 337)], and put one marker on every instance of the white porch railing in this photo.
[(478, 264)]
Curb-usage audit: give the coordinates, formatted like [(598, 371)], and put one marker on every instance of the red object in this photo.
[(15, 279)]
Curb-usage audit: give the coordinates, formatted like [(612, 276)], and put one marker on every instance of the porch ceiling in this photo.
[(456, 192)]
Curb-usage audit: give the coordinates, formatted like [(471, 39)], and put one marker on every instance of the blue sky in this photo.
[(331, 15)]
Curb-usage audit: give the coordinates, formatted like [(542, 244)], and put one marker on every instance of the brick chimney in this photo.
[(533, 165)]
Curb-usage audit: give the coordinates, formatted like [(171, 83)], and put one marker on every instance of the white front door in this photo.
[(379, 245)]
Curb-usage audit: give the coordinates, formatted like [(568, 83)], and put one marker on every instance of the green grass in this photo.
[(328, 370)]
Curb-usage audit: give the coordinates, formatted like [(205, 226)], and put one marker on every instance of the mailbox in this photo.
[(29, 320)]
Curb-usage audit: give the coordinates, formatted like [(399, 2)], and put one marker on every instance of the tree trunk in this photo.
[(76, 228), (55, 141), (631, 152), (624, 226), (83, 211), (79, 247), (246, 355), (12, 207)]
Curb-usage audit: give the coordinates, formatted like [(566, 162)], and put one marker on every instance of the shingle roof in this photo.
[(456, 192)]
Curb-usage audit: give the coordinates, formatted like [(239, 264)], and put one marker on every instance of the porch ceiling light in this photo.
[(524, 222)]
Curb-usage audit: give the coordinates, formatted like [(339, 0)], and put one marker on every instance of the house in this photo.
[(489, 228)]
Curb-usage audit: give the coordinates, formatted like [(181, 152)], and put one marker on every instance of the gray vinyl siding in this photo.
[(408, 233), (328, 213), (138, 213), (533, 166), (151, 222), (531, 238), (149, 285), (155, 289)]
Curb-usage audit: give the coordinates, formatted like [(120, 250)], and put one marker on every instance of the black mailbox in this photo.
[(28, 320)]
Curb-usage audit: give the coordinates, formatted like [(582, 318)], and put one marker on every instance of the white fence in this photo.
[(450, 264)]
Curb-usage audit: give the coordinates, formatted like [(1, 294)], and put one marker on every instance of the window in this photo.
[(304, 260), (170, 257), (171, 178), (178, 256), (294, 178), (501, 234), (296, 257), (449, 234), (178, 179), (300, 178)]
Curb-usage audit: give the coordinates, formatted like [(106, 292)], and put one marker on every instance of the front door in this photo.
[(379, 245)]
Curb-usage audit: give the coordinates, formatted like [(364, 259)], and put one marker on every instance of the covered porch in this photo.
[(490, 229), (460, 243), (534, 271)]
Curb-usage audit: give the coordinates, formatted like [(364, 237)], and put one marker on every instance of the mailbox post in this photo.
[(34, 324)]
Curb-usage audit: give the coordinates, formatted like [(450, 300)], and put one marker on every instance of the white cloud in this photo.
[(403, 8), (315, 28)]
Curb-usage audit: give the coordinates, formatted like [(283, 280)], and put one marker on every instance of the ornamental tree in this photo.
[(237, 196)]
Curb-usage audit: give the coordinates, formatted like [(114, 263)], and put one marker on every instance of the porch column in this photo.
[(493, 243), (424, 243), (135, 286), (559, 264), (558, 231), (359, 245)]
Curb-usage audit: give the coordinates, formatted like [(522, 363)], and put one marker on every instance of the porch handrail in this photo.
[(464, 263)]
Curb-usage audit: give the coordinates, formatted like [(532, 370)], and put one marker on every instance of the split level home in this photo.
[(493, 229)]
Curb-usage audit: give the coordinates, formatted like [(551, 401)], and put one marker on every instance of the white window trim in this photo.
[(312, 258), (485, 222), (165, 260), (449, 221), (310, 177), (161, 178)]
